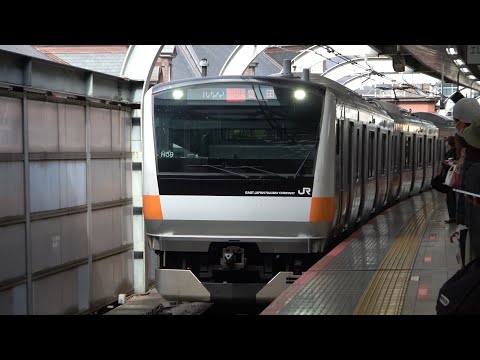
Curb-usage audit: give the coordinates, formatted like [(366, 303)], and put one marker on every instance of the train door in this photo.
[(441, 152), (407, 174), (435, 169), (369, 180), (340, 190), (428, 163), (357, 147), (389, 165), (396, 166), (417, 164), (381, 165), (349, 172)]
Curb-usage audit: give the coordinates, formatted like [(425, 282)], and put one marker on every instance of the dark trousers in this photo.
[(451, 204), (461, 243)]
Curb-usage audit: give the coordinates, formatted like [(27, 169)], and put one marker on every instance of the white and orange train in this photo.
[(249, 179)]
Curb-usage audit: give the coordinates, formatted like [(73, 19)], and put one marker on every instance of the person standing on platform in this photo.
[(450, 156), (463, 114), (471, 171)]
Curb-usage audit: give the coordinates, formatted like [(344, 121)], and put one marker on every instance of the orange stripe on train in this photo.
[(152, 209), (322, 209)]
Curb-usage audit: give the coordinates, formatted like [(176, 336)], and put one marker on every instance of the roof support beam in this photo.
[(240, 58), (138, 65)]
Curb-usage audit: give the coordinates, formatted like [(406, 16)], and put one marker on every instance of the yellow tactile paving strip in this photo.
[(386, 291)]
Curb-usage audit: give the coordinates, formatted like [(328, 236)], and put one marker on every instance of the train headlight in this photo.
[(177, 94), (299, 94)]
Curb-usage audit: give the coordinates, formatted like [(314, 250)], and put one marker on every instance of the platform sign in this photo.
[(473, 54)]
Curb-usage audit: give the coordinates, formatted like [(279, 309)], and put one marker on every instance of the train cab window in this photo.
[(383, 154), (251, 127), (408, 146), (371, 143)]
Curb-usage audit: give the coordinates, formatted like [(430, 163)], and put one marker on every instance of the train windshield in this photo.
[(252, 128)]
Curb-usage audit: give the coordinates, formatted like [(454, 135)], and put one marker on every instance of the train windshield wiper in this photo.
[(304, 160), (221, 169), (257, 169)]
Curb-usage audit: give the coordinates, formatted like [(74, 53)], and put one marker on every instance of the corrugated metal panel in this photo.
[(57, 184), (123, 170), (116, 183), (12, 197), (106, 229), (42, 126), (112, 276), (71, 127), (58, 240), (128, 165), (73, 183), (11, 136), (14, 301), (101, 171), (12, 251), (106, 180), (61, 293), (117, 131), (100, 130), (101, 230), (46, 243), (123, 272), (44, 185), (74, 244)]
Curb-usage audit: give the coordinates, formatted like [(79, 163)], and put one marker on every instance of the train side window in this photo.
[(350, 152), (408, 144), (371, 140), (400, 152), (440, 153), (420, 153), (383, 154), (339, 111), (357, 176), (394, 154), (337, 131), (429, 152)]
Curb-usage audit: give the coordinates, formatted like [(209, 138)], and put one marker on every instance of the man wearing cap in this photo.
[(467, 112)]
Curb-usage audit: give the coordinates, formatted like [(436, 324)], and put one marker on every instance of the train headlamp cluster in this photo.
[(177, 94), (299, 94)]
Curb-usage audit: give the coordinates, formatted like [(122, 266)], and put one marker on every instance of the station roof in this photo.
[(433, 60)]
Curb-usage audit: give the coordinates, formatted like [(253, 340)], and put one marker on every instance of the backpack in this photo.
[(461, 293), (438, 183)]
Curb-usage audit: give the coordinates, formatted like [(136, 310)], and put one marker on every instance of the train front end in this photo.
[(237, 201)]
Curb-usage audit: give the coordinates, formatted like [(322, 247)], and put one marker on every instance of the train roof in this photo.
[(440, 121), (401, 115), (227, 78), (343, 93)]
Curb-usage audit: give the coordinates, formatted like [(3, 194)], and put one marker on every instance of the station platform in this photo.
[(393, 265)]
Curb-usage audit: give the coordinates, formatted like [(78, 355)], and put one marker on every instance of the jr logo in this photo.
[(305, 190)]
